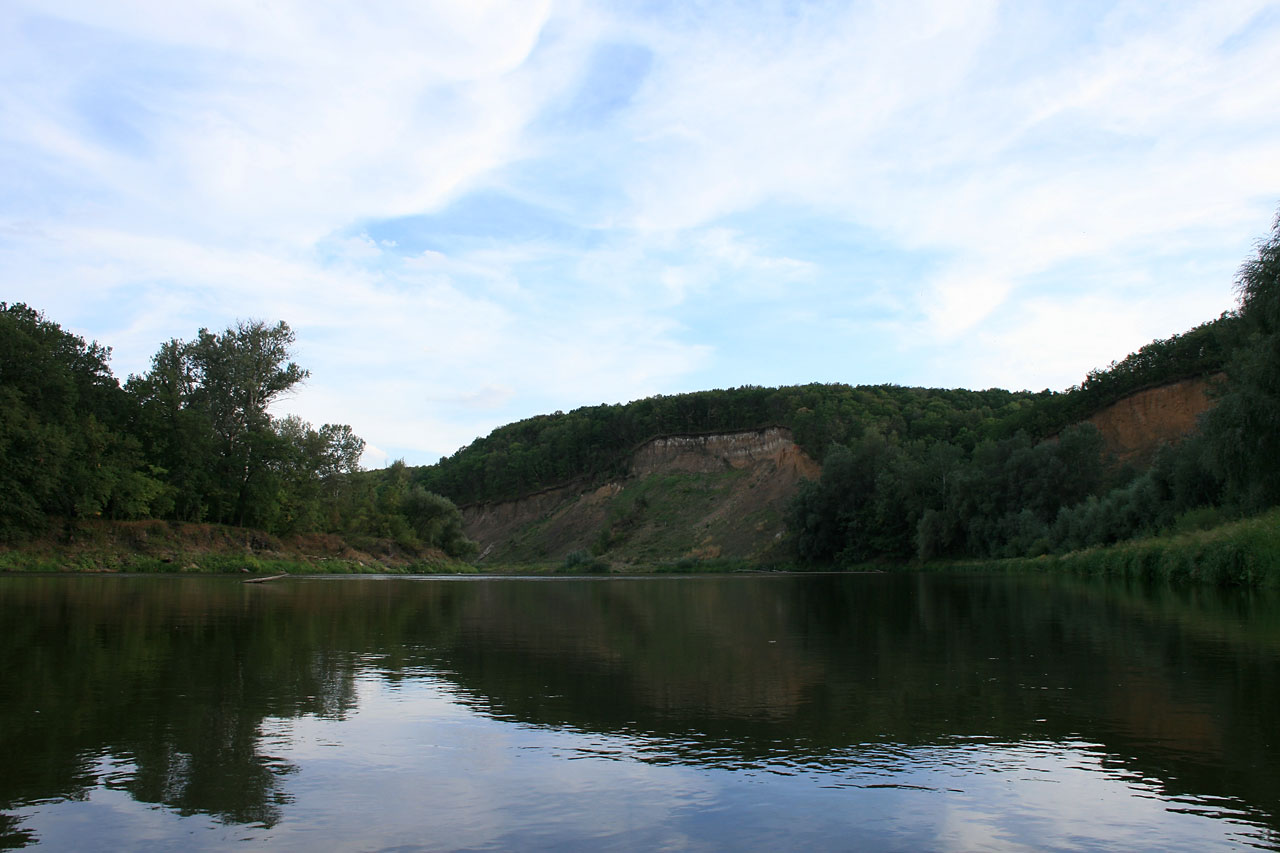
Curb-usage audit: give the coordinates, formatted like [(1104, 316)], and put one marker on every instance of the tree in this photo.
[(238, 375), (1244, 428), (205, 412), (178, 435), (62, 450), (436, 522)]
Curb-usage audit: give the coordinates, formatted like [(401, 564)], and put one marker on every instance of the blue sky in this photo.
[(472, 213)]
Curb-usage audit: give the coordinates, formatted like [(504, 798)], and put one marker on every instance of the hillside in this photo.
[(101, 545), (682, 496), (725, 495), (595, 443)]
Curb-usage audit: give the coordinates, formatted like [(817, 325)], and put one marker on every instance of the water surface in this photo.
[(873, 712)]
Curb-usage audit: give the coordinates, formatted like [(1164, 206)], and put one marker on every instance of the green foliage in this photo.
[(1244, 428), (881, 501), (213, 393), (63, 449), (596, 441), (1242, 553), (192, 440), (436, 522)]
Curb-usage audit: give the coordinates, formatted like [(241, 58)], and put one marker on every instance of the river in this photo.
[(746, 712)]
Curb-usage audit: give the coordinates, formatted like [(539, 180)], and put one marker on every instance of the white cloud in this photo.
[(281, 121), (1155, 130)]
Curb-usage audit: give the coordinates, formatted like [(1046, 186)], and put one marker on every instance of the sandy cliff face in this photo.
[(1134, 427), (687, 495), (710, 453)]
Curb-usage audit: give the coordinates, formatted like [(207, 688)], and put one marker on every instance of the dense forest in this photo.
[(596, 441), (907, 472), (191, 440)]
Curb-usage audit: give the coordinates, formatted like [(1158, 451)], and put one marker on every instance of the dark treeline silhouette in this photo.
[(191, 440)]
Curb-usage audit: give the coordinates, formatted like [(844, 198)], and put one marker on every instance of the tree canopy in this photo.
[(193, 439)]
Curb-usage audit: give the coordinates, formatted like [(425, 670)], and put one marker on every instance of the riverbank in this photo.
[(163, 547), (1244, 553)]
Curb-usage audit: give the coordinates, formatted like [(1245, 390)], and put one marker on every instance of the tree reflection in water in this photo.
[(162, 687)]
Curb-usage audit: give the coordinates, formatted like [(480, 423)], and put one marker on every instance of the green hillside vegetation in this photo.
[(595, 443), (1245, 552)]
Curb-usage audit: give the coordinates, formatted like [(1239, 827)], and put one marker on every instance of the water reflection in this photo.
[(723, 711)]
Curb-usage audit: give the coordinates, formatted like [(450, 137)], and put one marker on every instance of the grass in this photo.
[(1242, 553)]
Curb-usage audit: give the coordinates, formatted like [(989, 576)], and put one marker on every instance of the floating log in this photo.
[(264, 580)]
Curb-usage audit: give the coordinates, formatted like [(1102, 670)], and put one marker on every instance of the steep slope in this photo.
[(718, 495), (1132, 428)]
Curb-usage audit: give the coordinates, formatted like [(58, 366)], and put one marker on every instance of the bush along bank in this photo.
[(1243, 553)]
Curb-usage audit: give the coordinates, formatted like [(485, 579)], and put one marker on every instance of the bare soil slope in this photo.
[(1136, 426), (685, 496)]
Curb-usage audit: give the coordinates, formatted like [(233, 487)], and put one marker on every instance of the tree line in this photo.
[(595, 442), (193, 439)]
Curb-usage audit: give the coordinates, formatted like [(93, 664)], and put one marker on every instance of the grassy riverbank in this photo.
[(1243, 553)]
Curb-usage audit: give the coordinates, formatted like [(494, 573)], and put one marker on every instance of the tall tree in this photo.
[(1244, 428), (178, 435), (239, 374)]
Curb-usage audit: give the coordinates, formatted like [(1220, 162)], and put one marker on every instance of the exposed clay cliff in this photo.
[(709, 453), (1134, 427), (686, 495)]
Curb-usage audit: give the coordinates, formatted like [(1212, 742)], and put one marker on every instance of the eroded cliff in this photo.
[(717, 495), (1133, 428)]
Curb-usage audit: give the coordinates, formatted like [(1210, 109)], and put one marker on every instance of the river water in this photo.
[(758, 712)]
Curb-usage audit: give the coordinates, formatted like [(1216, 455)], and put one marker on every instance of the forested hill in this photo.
[(595, 442)]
